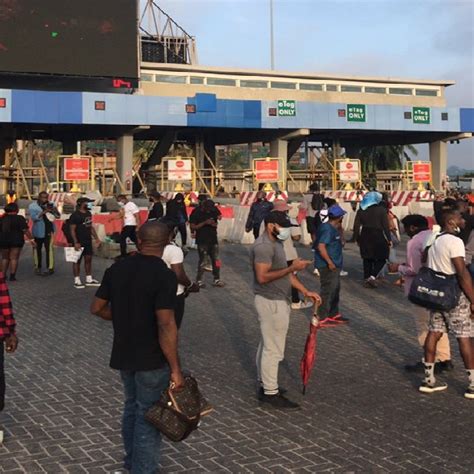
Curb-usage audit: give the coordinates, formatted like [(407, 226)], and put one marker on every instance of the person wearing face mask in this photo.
[(273, 280), (156, 208), (82, 231), (328, 260), (258, 211), (176, 211), (446, 255), (291, 253)]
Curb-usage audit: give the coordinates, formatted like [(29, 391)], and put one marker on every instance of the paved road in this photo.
[(361, 413)]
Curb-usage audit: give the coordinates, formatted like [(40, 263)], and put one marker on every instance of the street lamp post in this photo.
[(272, 47)]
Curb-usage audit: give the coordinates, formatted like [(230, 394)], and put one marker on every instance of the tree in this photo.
[(388, 157), (235, 160)]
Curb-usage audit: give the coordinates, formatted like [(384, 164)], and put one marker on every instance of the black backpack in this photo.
[(317, 202)]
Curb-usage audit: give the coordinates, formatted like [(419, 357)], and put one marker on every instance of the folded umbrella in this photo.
[(309, 355)]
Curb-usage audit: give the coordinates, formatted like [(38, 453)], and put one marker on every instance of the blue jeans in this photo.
[(141, 439)]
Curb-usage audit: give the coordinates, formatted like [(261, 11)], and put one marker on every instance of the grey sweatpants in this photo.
[(274, 319)]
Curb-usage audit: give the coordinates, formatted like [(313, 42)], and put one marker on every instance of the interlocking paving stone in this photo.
[(361, 412)]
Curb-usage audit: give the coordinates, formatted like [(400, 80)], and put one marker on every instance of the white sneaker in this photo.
[(316, 272), (79, 285), (92, 282), (301, 305), (343, 273)]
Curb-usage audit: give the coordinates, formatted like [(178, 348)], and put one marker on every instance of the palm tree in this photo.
[(388, 157), (235, 160)]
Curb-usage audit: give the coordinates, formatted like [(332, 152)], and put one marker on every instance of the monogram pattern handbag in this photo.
[(178, 412)]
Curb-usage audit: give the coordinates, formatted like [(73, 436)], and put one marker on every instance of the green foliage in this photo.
[(389, 157), (235, 160)]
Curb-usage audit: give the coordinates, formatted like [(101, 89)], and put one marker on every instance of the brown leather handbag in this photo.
[(178, 412)]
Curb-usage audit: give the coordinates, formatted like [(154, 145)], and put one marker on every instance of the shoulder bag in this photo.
[(435, 290)]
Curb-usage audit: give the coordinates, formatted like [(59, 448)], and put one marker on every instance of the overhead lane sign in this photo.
[(356, 113), (421, 115), (286, 108)]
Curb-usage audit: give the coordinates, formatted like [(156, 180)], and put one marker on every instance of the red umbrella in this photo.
[(309, 355)]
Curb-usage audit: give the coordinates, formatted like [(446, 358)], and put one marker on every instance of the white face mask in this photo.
[(456, 230), (284, 233), (121, 204)]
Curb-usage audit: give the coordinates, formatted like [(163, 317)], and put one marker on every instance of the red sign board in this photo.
[(422, 172), (76, 169), (267, 171)]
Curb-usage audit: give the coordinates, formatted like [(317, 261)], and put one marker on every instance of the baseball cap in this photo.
[(280, 205), (81, 200), (336, 211), (280, 218)]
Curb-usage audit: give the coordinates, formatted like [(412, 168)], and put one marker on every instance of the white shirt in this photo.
[(173, 255), (289, 246), (444, 248), (130, 210)]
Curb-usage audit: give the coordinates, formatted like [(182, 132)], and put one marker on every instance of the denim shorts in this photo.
[(457, 321)]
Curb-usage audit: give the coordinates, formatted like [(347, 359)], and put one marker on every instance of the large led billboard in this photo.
[(88, 38)]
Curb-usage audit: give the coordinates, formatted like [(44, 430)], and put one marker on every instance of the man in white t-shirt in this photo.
[(291, 254), (447, 255), (173, 256), (130, 214)]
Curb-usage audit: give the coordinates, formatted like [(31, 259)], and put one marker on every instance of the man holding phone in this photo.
[(273, 280)]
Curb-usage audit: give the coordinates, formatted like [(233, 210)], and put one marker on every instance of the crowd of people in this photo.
[(145, 349)]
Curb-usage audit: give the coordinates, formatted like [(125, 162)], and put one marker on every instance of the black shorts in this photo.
[(88, 250), (12, 245), (310, 224)]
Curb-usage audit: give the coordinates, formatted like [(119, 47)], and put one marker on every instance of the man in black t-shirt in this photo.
[(138, 294), (156, 209), (82, 232), (203, 221)]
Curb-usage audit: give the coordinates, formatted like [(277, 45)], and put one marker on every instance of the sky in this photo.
[(420, 39)]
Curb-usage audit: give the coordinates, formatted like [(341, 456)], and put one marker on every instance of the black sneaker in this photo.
[(279, 401), (469, 393), (426, 387), (261, 393), (12, 277), (444, 366)]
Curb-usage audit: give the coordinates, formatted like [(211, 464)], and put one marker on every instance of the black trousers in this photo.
[(184, 233), (179, 310), (256, 232), (47, 242), (330, 288), (211, 251), (372, 267), (129, 231), (2, 376)]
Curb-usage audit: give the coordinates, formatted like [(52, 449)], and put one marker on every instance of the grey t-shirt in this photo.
[(264, 250)]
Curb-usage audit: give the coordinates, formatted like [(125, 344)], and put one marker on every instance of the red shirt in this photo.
[(7, 321)]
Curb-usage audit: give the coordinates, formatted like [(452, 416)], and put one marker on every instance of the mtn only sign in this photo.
[(286, 108), (356, 113), (421, 115), (180, 170)]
